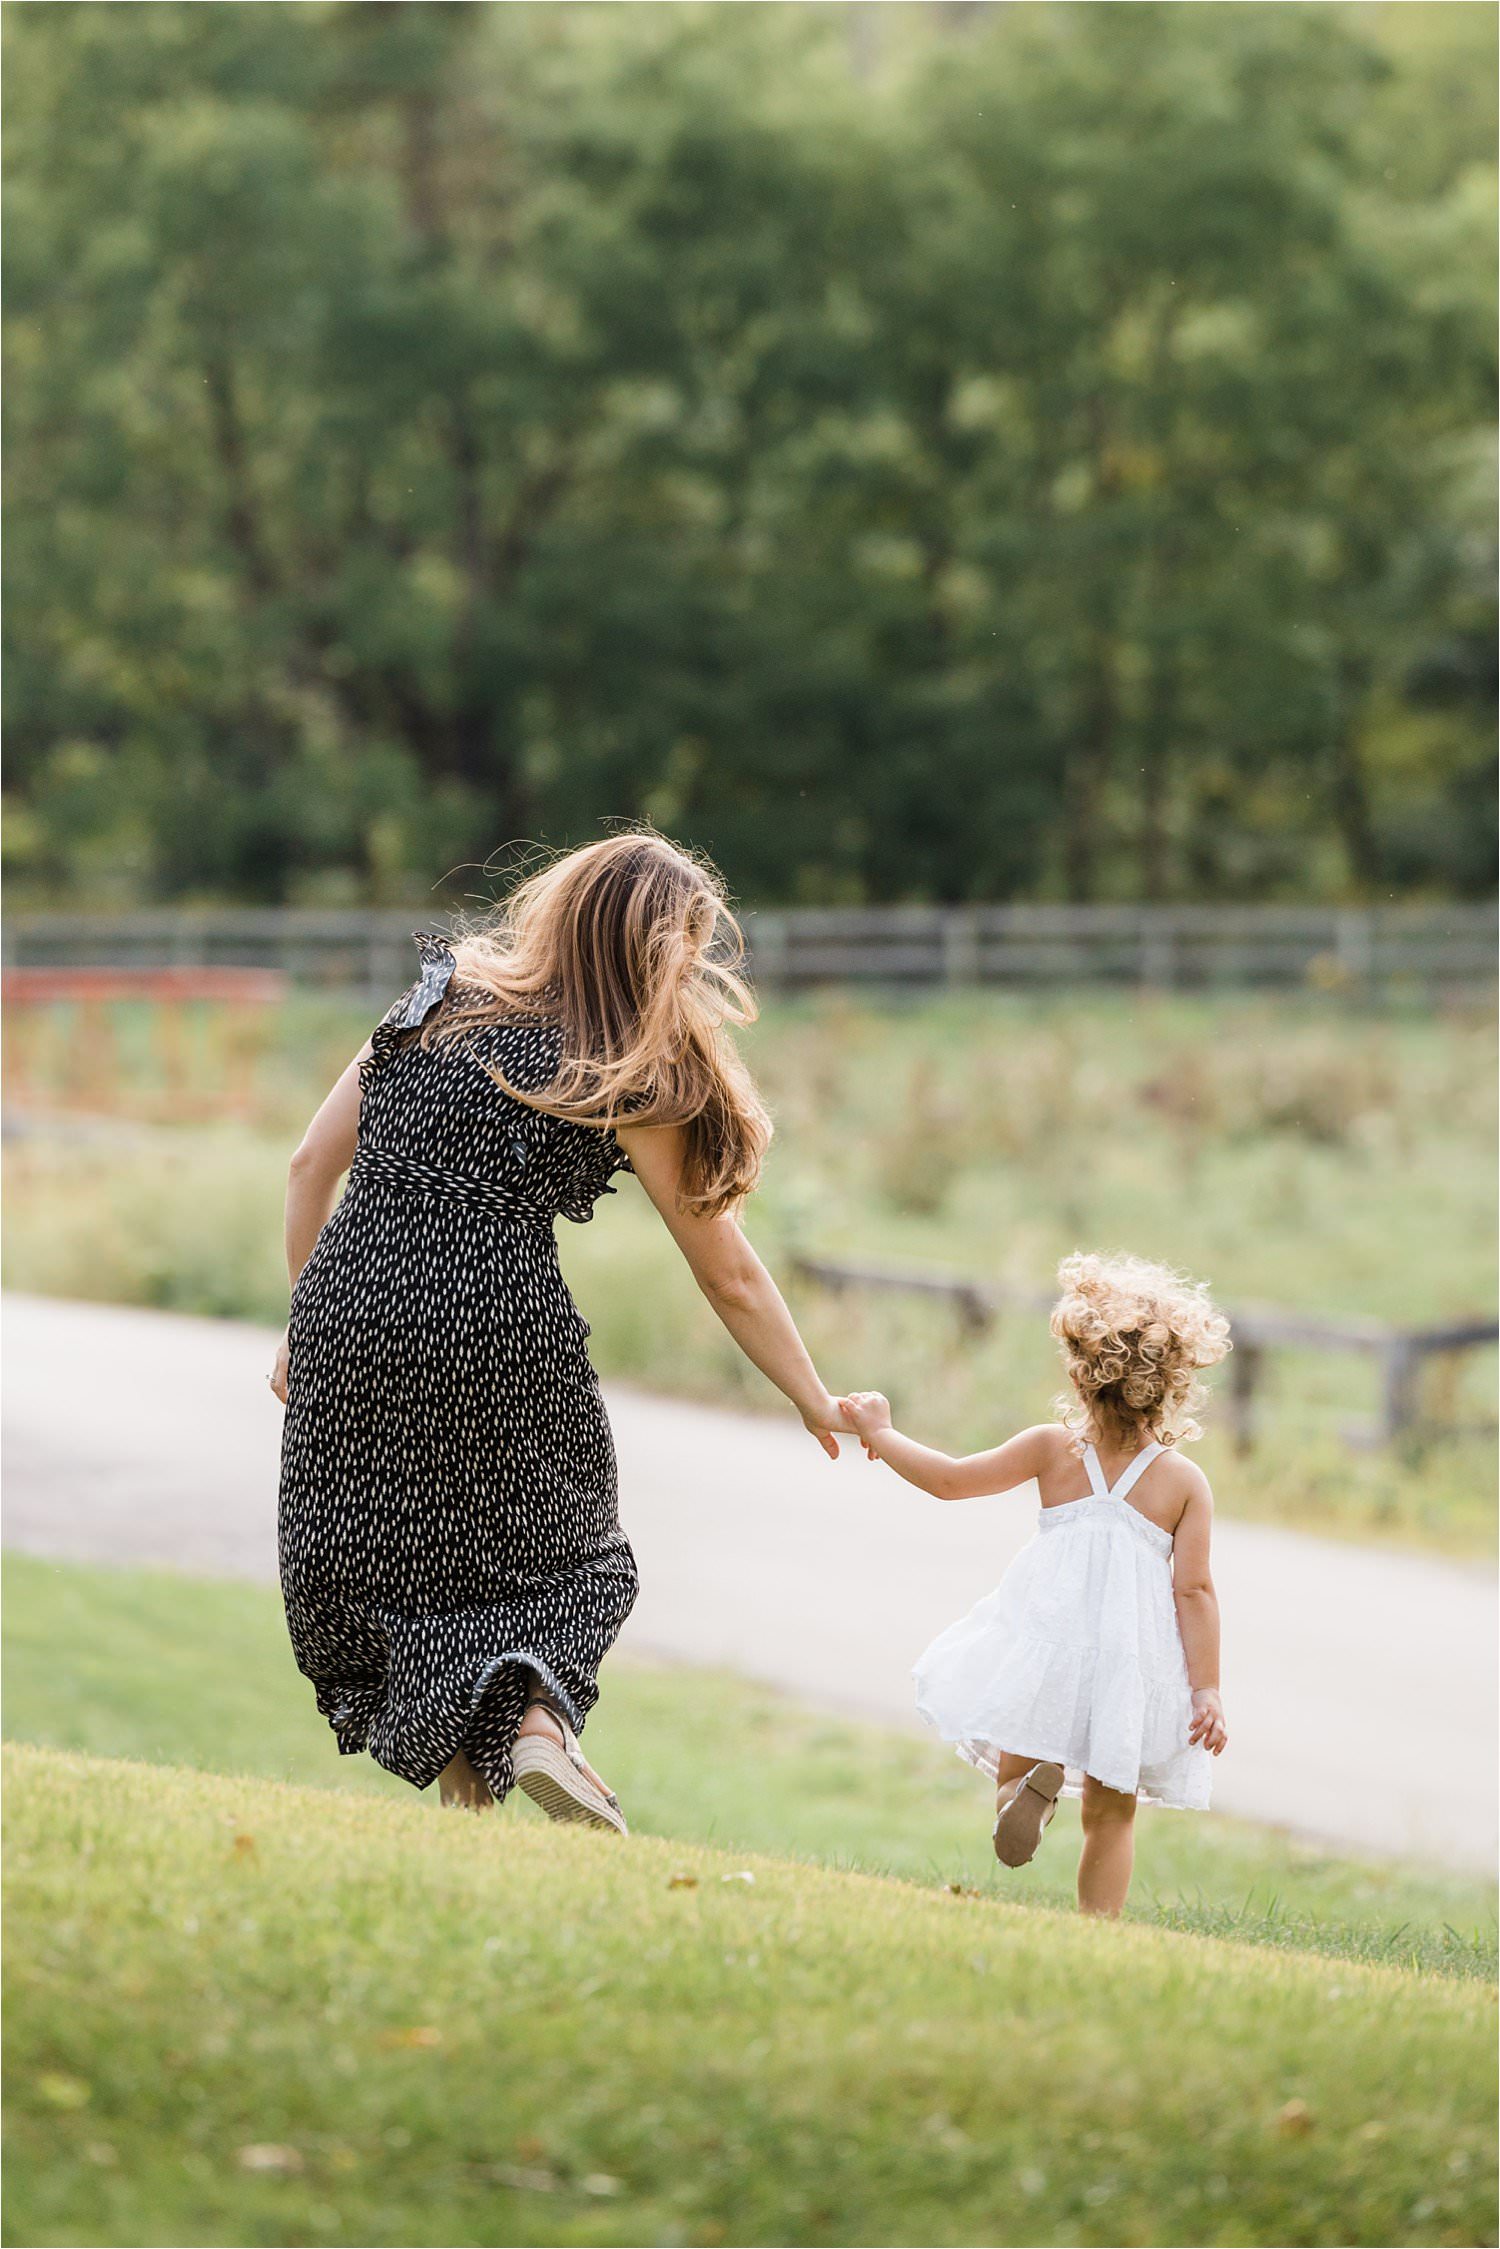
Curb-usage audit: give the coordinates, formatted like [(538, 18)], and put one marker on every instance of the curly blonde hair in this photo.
[(1134, 1336)]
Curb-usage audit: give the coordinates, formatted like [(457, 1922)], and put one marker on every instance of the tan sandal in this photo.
[(557, 1779), (1020, 1825)]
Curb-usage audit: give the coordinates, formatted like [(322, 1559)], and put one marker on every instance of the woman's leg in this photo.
[(539, 1719), (460, 1785), (1108, 1855)]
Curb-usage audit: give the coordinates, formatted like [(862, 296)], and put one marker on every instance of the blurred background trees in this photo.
[(914, 453)]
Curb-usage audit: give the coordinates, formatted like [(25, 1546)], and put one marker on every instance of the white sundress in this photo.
[(1076, 1657)]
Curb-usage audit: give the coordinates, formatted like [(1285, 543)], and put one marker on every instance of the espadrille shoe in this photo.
[(1018, 1829), (556, 1777)]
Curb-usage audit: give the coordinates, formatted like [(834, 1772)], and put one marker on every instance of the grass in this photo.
[(244, 2012), (189, 1672), (1293, 1150)]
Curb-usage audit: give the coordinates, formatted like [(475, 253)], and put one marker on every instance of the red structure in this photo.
[(230, 1002)]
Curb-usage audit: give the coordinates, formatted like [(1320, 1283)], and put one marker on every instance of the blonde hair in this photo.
[(630, 947), (1133, 1337)]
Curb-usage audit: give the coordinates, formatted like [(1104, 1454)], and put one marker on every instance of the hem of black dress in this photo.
[(355, 1741), (544, 1672)]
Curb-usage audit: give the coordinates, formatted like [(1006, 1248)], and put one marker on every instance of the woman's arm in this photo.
[(734, 1280), (976, 1476), (1198, 1614), (318, 1163)]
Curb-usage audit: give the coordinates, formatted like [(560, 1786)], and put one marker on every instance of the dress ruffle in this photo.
[(436, 966), (599, 1158)]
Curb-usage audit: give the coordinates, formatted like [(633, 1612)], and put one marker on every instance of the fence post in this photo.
[(1158, 943), (1398, 1390), (960, 927), (766, 937), (1246, 1366), (376, 949), (1353, 945)]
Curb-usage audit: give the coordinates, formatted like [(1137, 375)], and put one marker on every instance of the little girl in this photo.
[(1097, 1655)]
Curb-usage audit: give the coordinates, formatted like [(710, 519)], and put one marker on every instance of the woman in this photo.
[(451, 1557)]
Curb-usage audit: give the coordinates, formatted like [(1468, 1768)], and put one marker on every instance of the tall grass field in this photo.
[(1293, 1150)]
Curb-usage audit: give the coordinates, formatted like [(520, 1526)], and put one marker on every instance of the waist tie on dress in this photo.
[(488, 1196)]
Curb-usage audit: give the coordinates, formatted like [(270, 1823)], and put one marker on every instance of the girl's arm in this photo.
[(318, 1164), (973, 1477), (1198, 1614), (734, 1280)]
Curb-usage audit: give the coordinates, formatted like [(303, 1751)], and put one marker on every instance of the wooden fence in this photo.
[(1399, 1354), (1161, 947), (1426, 949)]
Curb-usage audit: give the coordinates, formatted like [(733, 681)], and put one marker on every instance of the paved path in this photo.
[(1361, 1685)]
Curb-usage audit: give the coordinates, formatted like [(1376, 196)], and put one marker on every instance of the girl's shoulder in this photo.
[(1177, 1484), (1184, 1476), (1054, 1458)]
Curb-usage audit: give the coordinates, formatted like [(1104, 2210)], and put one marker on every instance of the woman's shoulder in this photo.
[(466, 995), (527, 1046)]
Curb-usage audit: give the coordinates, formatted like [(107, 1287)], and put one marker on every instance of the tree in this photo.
[(1038, 460)]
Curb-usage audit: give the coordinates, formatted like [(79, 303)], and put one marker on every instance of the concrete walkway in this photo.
[(1361, 1685)]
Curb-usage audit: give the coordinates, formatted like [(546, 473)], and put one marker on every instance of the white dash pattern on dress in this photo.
[(448, 1513)]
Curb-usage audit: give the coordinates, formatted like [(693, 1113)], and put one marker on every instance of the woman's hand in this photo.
[(1208, 1727), (827, 1423), (866, 1413), (277, 1375)]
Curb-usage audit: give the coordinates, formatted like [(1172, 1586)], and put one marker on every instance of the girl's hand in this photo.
[(827, 1423), (1208, 1727), (866, 1412), (277, 1375)]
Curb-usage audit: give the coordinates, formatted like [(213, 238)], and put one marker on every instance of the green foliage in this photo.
[(1040, 457), (186, 1671), (243, 2012)]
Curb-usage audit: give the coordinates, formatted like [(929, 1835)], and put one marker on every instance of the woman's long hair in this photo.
[(630, 948)]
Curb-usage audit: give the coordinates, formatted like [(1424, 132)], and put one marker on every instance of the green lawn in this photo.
[(186, 1671), (1292, 1150), (244, 2012)]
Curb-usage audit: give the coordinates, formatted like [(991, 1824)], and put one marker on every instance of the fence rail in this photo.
[(1398, 1354), (1425, 948)]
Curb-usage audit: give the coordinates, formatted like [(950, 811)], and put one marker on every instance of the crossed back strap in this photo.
[(1126, 1481)]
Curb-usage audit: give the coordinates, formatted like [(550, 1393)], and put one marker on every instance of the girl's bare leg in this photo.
[(1108, 1855), (1011, 1772), (461, 1786)]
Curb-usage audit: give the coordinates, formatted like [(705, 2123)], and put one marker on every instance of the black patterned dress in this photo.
[(448, 1499)]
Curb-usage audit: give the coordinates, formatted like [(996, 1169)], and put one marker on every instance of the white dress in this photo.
[(1076, 1657)]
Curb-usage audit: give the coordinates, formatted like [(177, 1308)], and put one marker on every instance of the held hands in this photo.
[(1208, 1727), (866, 1412), (826, 1422)]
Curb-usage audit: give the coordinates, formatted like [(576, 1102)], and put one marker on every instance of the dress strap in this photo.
[(1095, 1473), (1128, 1479)]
